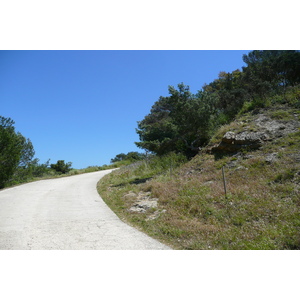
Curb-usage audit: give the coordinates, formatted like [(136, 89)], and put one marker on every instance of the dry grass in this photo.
[(261, 210)]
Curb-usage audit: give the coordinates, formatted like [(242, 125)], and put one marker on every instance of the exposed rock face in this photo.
[(143, 203), (264, 129), (272, 157), (232, 142), (276, 128)]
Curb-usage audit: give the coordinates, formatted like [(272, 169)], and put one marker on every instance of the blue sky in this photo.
[(83, 106)]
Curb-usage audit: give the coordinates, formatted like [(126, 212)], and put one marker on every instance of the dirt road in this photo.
[(65, 213)]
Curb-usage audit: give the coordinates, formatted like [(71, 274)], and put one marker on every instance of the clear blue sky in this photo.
[(83, 106)]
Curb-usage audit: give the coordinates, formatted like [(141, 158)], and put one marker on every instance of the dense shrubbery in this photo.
[(157, 164), (33, 170), (61, 167), (130, 156), (183, 122)]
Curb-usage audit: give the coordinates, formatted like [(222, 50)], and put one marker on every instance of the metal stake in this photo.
[(224, 181)]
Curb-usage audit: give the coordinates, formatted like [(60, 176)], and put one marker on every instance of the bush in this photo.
[(293, 96), (61, 166), (130, 156)]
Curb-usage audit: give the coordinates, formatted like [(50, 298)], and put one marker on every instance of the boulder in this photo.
[(144, 202), (233, 142), (271, 158), (261, 129), (276, 128), (229, 137), (144, 205)]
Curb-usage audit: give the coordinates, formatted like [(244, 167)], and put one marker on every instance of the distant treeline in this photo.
[(184, 122), (17, 162), (18, 165), (130, 156)]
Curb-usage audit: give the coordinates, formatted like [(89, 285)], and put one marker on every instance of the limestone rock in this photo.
[(144, 205), (276, 128), (271, 157), (260, 130), (253, 139), (232, 142), (144, 202), (229, 137)]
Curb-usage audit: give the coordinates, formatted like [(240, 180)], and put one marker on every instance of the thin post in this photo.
[(224, 182)]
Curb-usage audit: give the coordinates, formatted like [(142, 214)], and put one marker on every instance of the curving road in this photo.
[(65, 213)]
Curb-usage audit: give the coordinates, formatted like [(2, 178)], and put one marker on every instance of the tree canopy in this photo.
[(180, 122), (15, 150), (61, 166), (183, 122), (130, 156)]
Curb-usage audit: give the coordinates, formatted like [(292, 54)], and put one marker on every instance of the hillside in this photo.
[(183, 203)]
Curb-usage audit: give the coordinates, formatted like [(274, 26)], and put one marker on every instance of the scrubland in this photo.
[(259, 211)]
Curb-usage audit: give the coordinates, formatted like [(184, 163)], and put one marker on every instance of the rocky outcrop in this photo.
[(143, 205), (143, 202), (262, 129), (232, 142), (276, 128)]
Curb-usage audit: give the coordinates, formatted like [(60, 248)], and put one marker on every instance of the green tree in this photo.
[(181, 122), (131, 156), (157, 131), (61, 166), (230, 93), (135, 156), (27, 152), (271, 70), (15, 150), (118, 157), (38, 169)]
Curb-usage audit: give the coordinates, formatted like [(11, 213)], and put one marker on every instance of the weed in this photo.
[(281, 115), (287, 175)]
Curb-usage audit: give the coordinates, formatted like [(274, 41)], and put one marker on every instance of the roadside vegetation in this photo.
[(18, 165), (184, 176), (44, 171), (260, 210)]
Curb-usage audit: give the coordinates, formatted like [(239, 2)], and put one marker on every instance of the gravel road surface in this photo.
[(65, 213)]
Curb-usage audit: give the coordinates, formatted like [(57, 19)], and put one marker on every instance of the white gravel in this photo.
[(65, 213)]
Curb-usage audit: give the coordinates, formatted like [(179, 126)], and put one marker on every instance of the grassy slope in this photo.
[(261, 210)]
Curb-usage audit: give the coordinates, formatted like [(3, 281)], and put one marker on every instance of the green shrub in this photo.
[(61, 166), (285, 176), (281, 115)]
